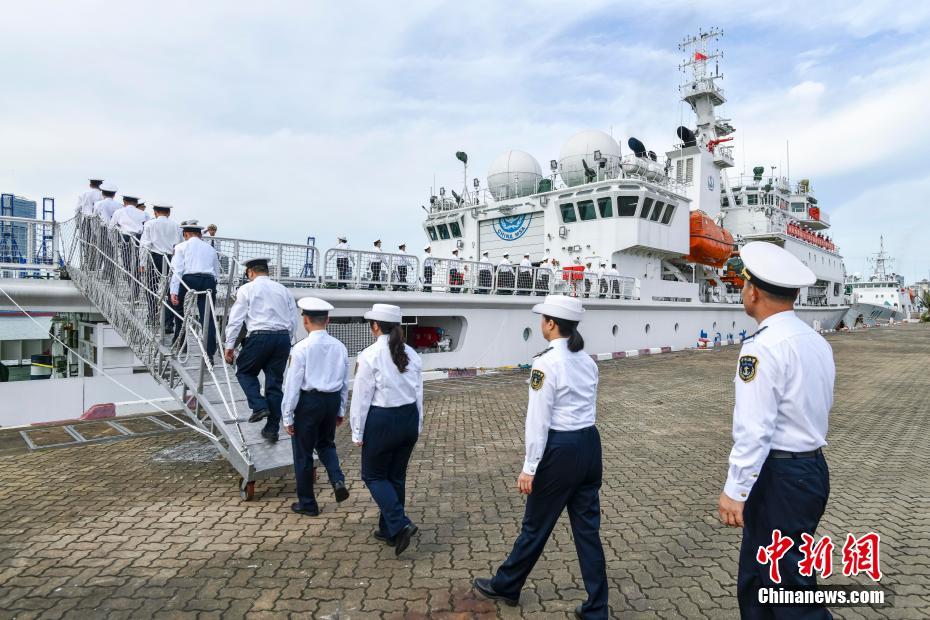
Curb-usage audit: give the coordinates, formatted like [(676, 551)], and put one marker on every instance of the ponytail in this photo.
[(568, 329), (395, 344)]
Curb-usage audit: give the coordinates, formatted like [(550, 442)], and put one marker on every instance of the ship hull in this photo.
[(871, 315)]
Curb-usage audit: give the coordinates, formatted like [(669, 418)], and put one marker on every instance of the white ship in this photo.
[(672, 226), (882, 297)]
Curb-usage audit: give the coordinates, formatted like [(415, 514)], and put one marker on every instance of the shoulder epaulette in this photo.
[(543, 352), (750, 337)]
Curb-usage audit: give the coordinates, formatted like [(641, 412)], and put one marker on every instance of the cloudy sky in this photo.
[(281, 120)]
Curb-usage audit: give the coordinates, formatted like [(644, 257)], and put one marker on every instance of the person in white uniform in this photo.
[(374, 267), (316, 387), (387, 419), (85, 209), (107, 206), (267, 311), (525, 276), (505, 279), (456, 276), (485, 267), (343, 267), (427, 269), (104, 240), (195, 267), (401, 266), (159, 236), (562, 467), (778, 477), (614, 277)]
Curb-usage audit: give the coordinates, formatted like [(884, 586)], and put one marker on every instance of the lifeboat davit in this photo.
[(710, 244)]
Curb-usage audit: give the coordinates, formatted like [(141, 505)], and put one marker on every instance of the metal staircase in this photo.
[(121, 280)]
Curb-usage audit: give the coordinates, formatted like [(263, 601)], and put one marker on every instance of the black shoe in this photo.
[(578, 613), (270, 434), (402, 540), (258, 416), (483, 586), (342, 493), (303, 511), (383, 538)]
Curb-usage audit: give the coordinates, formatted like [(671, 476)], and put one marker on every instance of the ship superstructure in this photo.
[(882, 296)]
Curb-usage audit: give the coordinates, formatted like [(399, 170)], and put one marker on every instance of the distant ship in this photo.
[(880, 298)]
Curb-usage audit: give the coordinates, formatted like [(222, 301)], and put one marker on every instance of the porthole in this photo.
[(647, 328), (615, 330), (526, 334)]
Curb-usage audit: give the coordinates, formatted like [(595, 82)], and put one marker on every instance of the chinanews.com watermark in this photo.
[(861, 555)]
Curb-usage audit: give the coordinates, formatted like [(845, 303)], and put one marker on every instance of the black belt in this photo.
[(784, 454), (315, 392), (260, 332)]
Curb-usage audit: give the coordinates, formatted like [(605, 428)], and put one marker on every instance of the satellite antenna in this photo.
[(589, 172), (638, 148)]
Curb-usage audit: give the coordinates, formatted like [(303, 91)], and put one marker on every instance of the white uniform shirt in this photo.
[(563, 397), (193, 256), (485, 264), (318, 362), (87, 200), (526, 266), (263, 305), (784, 391), (504, 266), (129, 220), (343, 251), (613, 273), (160, 235), (379, 383), (105, 208)]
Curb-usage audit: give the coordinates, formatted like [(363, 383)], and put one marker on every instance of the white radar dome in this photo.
[(514, 174), (582, 146)]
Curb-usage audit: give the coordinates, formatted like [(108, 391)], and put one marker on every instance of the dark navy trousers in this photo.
[(197, 282), (265, 353), (568, 476), (315, 429), (790, 495), (387, 443)]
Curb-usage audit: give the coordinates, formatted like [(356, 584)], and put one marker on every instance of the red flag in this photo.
[(700, 56)]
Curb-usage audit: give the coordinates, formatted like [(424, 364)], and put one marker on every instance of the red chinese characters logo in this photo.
[(773, 553), (861, 555)]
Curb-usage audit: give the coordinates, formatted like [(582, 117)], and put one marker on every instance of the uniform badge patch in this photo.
[(537, 377), (747, 367)]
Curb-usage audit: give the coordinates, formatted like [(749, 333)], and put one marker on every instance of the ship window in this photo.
[(669, 209), (443, 231), (626, 205), (586, 210), (724, 201), (752, 199), (432, 232), (657, 211), (647, 205), (568, 213), (456, 230), (606, 207)]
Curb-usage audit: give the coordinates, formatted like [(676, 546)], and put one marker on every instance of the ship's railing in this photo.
[(356, 269), (130, 287), (589, 284), (293, 265), (28, 247)]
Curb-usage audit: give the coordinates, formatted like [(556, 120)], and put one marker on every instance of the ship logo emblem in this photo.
[(536, 379), (512, 227), (710, 181), (747, 367)]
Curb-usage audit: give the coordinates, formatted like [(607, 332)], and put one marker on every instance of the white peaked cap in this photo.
[(108, 187), (314, 304), (384, 312), (775, 265), (341, 237), (561, 307), (258, 259)]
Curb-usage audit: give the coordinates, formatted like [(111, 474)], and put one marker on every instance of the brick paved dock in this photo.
[(154, 527)]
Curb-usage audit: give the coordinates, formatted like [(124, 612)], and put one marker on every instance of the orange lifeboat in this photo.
[(710, 244)]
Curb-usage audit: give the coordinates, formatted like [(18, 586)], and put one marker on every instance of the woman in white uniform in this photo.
[(387, 418), (562, 468)]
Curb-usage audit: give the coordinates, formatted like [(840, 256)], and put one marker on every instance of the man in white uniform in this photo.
[(85, 209), (402, 265), (103, 211), (267, 310), (525, 276), (778, 478), (343, 268), (485, 268), (196, 267), (427, 269), (374, 267), (505, 279), (159, 236)]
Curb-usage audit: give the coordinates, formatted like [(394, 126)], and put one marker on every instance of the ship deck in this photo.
[(152, 526)]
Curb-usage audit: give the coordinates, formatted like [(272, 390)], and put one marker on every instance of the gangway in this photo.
[(121, 280)]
